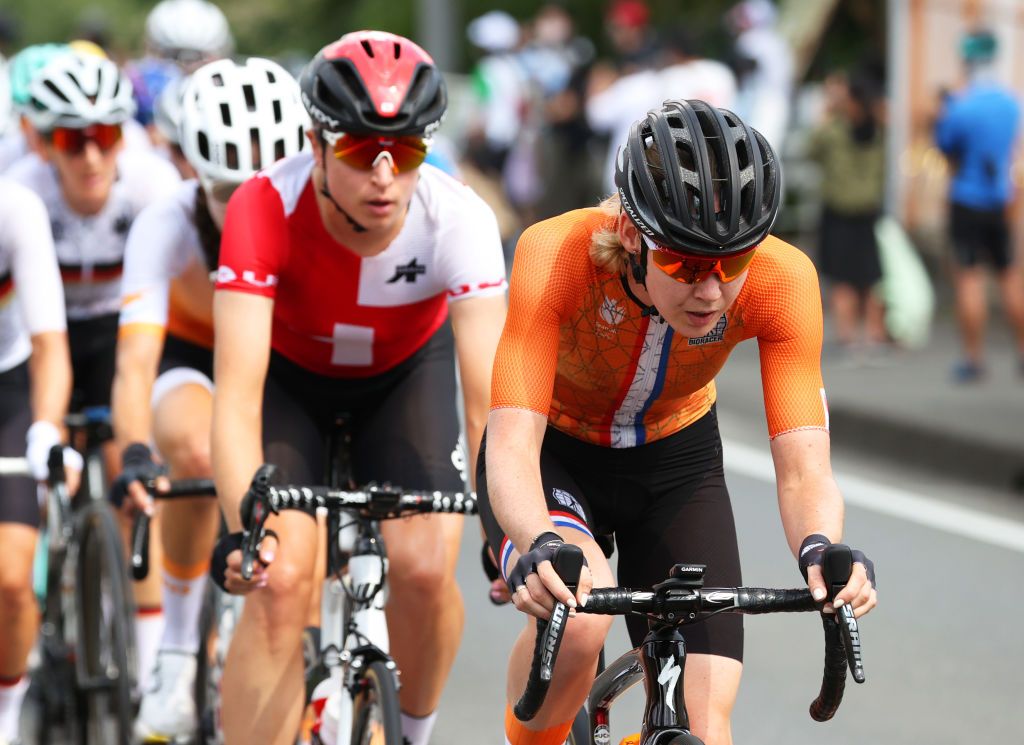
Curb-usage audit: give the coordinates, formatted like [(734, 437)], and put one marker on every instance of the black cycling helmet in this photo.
[(697, 179), (370, 82)]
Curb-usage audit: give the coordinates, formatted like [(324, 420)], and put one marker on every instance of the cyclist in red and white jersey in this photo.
[(35, 386), (339, 270), (163, 386), (93, 189)]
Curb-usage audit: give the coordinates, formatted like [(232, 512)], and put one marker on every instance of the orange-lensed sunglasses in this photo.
[(365, 151), (690, 269), (72, 140)]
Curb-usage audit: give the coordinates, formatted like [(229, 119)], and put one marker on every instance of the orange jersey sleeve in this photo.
[(551, 267)]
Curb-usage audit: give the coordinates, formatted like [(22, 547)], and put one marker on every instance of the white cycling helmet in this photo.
[(239, 118), (78, 90), (167, 110), (188, 31)]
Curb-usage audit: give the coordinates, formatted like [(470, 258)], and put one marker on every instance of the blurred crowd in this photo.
[(545, 112)]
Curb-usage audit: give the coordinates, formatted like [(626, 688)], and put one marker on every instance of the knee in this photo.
[(283, 605), (427, 582), (583, 642), (15, 586), (187, 455)]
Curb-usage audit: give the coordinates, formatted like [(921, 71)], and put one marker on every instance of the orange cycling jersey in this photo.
[(577, 349)]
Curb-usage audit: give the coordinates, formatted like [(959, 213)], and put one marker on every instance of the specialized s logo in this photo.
[(714, 335), (227, 275), (409, 272), (669, 679)]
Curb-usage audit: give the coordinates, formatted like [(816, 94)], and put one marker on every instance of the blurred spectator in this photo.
[(563, 150), (189, 32), (977, 129), (499, 91), (850, 148), (764, 67), (627, 24), (687, 75)]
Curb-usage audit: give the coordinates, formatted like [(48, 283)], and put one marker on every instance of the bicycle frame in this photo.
[(353, 625)]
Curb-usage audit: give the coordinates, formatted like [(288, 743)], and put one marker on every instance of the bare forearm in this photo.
[(812, 505), (236, 450), (50, 374), (130, 411), (514, 484)]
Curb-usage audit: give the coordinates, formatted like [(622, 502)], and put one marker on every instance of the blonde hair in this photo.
[(606, 249)]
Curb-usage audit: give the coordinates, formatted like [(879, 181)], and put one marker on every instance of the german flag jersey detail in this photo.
[(577, 349)]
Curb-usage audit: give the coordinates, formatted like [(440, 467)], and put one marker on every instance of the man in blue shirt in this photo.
[(977, 129)]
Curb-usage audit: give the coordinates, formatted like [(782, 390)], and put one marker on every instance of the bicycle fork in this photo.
[(353, 632)]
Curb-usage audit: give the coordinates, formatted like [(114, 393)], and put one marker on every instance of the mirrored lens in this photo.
[(407, 153), (73, 140), (692, 269)]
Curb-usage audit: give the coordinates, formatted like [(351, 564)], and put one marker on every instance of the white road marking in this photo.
[(889, 500)]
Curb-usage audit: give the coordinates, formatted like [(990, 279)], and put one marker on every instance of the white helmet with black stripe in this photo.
[(79, 90)]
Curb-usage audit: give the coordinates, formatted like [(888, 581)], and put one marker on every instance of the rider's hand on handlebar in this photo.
[(232, 567), (535, 585), (128, 492), (859, 591)]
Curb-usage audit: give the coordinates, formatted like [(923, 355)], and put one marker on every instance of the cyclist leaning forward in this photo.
[(338, 272), (35, 387), (93, 188), (234, 119), (603, 407)]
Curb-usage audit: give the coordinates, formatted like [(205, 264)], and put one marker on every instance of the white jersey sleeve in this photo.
[(469, 252), (161, 244), (31, 295)]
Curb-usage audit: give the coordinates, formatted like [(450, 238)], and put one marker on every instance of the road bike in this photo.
[(363, 706), (660, 660)]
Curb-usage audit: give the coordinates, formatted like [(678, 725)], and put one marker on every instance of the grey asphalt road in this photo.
[(943, 652)]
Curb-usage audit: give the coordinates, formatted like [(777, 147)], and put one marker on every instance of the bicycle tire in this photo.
[(376, 717), (105, 639)]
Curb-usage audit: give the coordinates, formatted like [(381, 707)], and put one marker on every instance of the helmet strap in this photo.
[(325, 191), (645, 309)]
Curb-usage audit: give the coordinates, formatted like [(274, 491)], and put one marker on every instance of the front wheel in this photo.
[(105, 634), (376, 718)]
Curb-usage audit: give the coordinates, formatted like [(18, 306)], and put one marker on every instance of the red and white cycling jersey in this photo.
[(337, 313)]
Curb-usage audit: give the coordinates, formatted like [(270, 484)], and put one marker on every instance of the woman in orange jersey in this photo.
[(603, 422)]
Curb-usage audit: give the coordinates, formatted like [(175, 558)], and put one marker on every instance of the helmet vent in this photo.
[(398, 50), (270, 77), (56, 91), (367, 47), (250, 97), (254, 138), (218, 80), (231, 156), (279, 151), (277, 111), (225, 114), (204, 146)]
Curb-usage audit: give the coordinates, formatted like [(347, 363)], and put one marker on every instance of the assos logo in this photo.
[(567, 500)]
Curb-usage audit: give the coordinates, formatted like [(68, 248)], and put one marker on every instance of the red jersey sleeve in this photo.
[(254, 242)]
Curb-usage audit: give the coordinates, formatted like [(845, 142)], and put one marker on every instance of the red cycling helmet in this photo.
[(374, 82)]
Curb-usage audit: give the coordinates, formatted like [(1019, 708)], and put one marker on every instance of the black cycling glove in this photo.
[(543, 549), (813, 547), (137, 464), (219, 561)]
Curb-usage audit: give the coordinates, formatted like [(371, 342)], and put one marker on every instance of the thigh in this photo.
[(710, 685), (567, 505), (409, 435), (292, 440), (18, 501), (19, 542), (688, 523), (182, 416)]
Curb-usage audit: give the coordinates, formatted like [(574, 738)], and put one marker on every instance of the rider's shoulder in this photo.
[(30, 171), (284, 180), (15, 198), (444, 195), (778, 261), (151, 173)]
